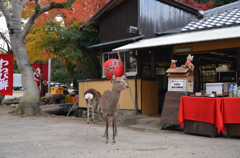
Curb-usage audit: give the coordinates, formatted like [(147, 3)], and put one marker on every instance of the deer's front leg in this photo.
[(106, 131), (114, 126)]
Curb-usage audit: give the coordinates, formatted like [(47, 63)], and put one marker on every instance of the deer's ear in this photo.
[(124, 77), (113, 78)]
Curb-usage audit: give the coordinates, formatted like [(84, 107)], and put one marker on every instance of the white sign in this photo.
[(177, 84)]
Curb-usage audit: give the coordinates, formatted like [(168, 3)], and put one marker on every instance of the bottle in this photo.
[(235, 91), (238, 91), (231, 91)]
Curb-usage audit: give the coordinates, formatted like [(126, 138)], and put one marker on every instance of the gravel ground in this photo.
[(138, 136)]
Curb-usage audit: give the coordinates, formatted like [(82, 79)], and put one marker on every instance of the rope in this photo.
[(45, 96)]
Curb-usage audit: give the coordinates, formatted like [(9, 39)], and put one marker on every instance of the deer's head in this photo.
[(118, 83)]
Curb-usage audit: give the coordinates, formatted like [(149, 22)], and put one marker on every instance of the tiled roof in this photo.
[(224, 16)]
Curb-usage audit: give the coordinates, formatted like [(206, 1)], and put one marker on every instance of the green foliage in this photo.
[(59, 72), (71, 44), (15, 67)]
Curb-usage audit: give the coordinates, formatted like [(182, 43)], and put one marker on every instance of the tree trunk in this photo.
[(29, 104)]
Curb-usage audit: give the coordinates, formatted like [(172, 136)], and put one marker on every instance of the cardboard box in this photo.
[(219, 88)]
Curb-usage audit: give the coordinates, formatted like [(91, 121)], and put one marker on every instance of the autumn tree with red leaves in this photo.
[(81, 10), (41, 11), (200, 6)]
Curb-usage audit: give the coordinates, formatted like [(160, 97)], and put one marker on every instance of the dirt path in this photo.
[(138, 136)]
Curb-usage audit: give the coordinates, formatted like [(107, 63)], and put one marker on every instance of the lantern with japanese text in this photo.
[(113, 66)]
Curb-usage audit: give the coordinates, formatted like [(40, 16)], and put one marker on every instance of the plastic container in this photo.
[(231, 91), (235, 91), (73, 99), (67, 99), (238, 92), (56, 90)]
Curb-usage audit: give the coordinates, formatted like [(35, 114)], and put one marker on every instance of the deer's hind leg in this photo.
[(88, 106), (93, 107), (99, 113)]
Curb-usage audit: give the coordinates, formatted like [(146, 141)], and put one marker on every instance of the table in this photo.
[(231, 110), (203, 109), (231, 115)]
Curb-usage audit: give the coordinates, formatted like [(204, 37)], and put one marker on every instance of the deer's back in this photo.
[(96, 94)]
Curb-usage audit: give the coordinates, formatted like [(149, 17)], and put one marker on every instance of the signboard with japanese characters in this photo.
[(177, 84), (41, 69), (6, 74)]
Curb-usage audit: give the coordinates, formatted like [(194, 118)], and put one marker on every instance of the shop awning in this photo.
[(183, 38), (115, 43)]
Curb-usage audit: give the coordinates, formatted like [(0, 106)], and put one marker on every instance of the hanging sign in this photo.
[(113, 66), (6, 74), (41, 69)]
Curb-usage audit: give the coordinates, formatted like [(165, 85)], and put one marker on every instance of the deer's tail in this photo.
[(89, 96)]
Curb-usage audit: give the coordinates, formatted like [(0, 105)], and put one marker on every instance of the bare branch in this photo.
[(5, 11), (24, 2)]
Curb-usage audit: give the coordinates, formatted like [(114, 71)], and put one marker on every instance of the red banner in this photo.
[(6, 74), (41, 69)]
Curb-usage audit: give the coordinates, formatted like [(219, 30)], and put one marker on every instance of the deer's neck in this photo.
[(115, 96)]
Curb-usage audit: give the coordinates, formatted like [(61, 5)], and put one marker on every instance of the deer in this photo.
[(92, 98), (110, 103)]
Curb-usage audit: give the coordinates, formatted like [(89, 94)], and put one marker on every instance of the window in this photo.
[(128, 58), (207, 75)]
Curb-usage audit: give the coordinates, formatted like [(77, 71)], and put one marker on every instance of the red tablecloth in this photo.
[(202, 109), (231, 110)]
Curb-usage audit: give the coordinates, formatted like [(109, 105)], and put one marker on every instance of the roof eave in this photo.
[(113, 3), (180, 5)]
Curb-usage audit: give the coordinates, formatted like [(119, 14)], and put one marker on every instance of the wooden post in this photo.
[(139, 65), (238, 67), (197, 73), (153, 69)]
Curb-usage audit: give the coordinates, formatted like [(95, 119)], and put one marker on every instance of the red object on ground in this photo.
[(202, 109), (113, 66), (231, 110), (6, 74)]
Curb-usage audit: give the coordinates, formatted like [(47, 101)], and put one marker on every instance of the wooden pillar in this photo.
[(139, 64), (238, 67), (153, 69), (197, 73)]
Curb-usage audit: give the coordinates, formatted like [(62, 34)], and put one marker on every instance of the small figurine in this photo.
[(173, 63), (188, 63)]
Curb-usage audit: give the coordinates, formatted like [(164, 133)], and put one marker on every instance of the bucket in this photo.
[(73, 99)]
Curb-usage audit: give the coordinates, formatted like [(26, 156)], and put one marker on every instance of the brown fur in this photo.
[(94, 102), (110, 104)]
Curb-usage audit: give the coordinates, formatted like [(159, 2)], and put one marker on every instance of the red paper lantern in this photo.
[(113, 66)]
